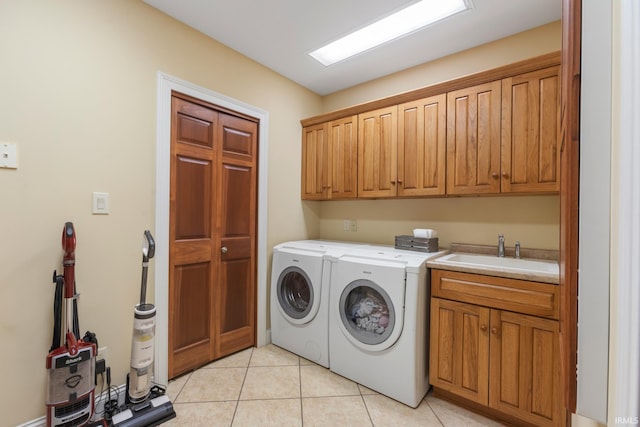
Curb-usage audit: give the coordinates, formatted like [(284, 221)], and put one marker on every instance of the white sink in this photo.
[(535, 266)]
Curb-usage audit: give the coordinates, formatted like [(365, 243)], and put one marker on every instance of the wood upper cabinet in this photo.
[(501, 136), (377, 151), (329, 160), (343, 158), (530, 132), (315, 162), (473, 139), (501, 359), (422, 127)]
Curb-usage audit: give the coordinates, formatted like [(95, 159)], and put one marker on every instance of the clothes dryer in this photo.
[(300, 297), (379, 321)]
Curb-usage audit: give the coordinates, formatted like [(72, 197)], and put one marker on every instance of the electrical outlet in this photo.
[(102, 353), (349, 225)]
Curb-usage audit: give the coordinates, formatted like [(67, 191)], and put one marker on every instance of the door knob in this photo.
[(483, 328), (224, 249), (494, 330)]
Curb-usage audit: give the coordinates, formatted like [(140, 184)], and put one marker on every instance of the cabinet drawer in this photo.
[(521, 296)]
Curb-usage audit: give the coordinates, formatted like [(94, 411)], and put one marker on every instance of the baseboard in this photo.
[(99, 406)]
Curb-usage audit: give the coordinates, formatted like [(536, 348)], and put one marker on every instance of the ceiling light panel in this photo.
[(401, 23)]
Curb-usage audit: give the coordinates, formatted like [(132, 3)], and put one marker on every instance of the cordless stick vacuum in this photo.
[(144, 329), (70, 364), (147, 404)]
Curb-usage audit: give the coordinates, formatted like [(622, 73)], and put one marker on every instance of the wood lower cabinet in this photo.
[(524, 367), (505, 361), (459, 350)]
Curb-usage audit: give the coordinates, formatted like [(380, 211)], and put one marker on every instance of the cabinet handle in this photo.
[(494, 330), (399, 181), (505, 175), (224, 250), (495, 175), (393, 182), (483, 328)]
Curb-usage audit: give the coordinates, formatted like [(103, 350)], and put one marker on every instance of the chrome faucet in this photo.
[(517, 249), (501, 245)]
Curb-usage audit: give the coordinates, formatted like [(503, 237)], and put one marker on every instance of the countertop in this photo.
[(534, 254)]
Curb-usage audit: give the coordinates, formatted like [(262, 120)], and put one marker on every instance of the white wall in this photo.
[(594, 248), (78, 95)]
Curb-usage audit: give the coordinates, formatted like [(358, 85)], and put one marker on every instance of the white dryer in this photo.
[(379, 321), (300, 297)]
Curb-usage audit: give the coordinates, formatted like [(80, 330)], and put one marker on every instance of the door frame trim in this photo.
[(165, 85)]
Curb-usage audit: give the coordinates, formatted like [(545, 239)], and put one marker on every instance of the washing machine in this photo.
[(300, 296), (379, 321)]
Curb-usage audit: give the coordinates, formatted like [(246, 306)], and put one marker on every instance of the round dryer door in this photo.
[(295, 293), (368, 315)]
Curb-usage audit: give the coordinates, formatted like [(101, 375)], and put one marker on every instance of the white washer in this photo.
[(379, 321), (300, 296)]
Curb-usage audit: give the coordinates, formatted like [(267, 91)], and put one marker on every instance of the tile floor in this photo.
[(269, 386)]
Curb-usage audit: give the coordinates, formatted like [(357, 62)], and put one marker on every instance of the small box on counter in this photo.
[(422, 244)]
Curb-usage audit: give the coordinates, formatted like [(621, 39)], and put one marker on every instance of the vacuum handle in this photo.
[(69, 259), (148, 251), (148, 247)]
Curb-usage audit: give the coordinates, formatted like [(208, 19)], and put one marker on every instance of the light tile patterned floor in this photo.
[(269, 386)]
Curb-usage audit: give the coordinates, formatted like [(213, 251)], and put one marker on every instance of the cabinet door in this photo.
[(343, 158), (473, 140), (525, 372), (315, 162), (459, 349), (530, 132), (422, 147), (377, 145)]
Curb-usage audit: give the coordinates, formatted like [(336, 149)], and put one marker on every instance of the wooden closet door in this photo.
[(212, 248), (235, 290), (191, 234)]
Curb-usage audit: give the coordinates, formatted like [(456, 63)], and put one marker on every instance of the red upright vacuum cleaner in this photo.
[(71, 360)]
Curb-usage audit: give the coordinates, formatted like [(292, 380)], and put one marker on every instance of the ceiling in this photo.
[(280, 33)]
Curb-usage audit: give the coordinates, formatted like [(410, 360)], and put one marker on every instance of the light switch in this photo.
[(8, 155), (100, 203)]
